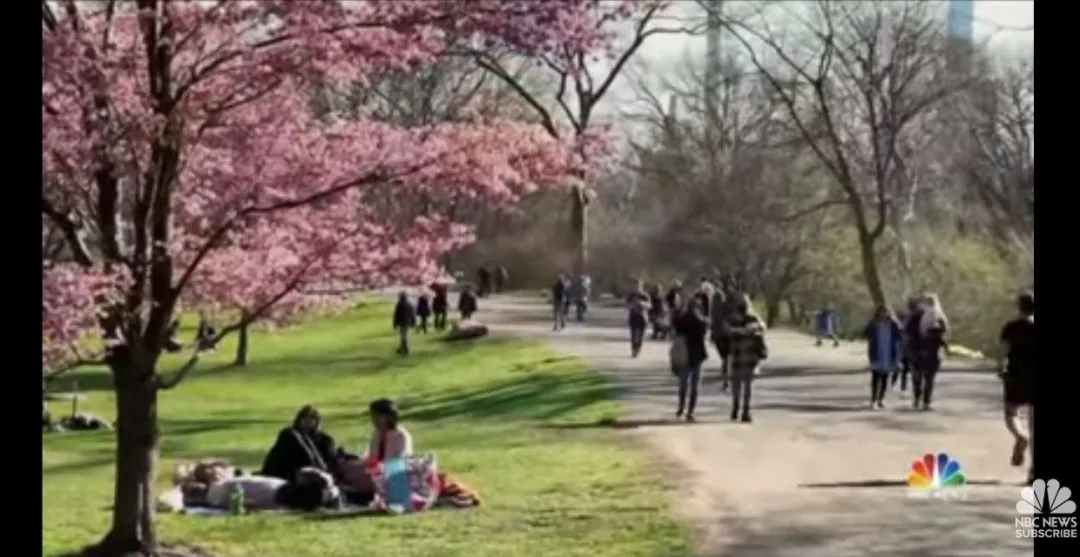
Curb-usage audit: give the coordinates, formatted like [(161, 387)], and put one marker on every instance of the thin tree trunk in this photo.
[(871, 273), (794, 313), (772, 311), (133, 532), (578, 225), (242, 345)]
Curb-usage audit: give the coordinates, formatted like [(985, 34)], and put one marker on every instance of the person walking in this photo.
[(483, 280), (404, 321), (705, 293), (1018, 380), (423, 312), (637, 302), (933, 326), (673, 299), (825, 326), (883, 347), (657, 312), (748, 350), (910, 327), (467, 303), (501, 279), (440, 306), (718, 317), (689, 328), (560, 299), (580, 287)]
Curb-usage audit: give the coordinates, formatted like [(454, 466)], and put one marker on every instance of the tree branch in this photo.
[(164, 384)]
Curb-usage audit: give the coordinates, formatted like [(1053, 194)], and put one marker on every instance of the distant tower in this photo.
[(713, 69), (961, 32)]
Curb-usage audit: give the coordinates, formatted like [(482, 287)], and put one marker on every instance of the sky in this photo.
[(1006, 25), (998, 20)]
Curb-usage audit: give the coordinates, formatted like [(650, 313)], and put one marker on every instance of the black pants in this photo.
[(922, 384), (723, 349), (902, 374), (637, 336), (466, 315), (440, 320), (403, 336), (421, 324), (689, 383), (879, 381)]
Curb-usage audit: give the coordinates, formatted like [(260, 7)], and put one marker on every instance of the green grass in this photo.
[(481, 407)]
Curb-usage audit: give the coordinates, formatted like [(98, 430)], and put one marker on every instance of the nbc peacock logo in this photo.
[(1046, 511), (936, 475)]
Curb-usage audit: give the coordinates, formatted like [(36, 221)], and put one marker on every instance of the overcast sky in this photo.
[(1007, 25)]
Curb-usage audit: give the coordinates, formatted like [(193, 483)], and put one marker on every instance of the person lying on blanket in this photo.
[(211, 483)]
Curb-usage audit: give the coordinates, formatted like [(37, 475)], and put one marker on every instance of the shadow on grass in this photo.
[(368, 357), (609, 423), (83, 464), (540, 397)]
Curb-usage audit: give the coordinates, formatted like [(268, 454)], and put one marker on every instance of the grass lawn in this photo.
[(481, 407)]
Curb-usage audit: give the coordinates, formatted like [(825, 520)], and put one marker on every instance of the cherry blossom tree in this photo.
[(181, 165)]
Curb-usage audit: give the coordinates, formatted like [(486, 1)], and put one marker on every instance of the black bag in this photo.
[(760, 348)]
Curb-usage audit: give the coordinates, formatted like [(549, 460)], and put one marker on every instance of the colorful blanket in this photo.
[(455, 494)]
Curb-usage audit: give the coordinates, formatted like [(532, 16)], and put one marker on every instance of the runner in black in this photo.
[(1018, 377)]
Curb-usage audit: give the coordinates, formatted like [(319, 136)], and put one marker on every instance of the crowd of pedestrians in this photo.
[(903, 346)]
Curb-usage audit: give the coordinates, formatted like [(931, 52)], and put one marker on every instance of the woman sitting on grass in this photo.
[(303, 444), (390, 440)]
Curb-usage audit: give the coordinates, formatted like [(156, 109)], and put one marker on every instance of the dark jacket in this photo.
[(718, 314), (423, 306), (673, 298), (929, 347), (440, 303), (295, 449), (559, 291), (404, 315), (466, 302), (692, 326), (638, 306), (895, 346), (911, 331)]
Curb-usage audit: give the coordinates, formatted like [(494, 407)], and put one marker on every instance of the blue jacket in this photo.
[(896, 336)]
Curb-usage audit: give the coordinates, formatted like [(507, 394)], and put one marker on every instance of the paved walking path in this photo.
[(788, 485)]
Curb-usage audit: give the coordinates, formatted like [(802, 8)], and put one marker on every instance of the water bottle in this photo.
[(236, 500), (398, 490)]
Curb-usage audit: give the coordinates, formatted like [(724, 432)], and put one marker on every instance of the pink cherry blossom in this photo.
[(267, 208)]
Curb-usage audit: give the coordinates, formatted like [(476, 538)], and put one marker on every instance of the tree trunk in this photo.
[(871, 273), (579, 213), (772, 311), (793, 313), (132, 532), (242, 346)]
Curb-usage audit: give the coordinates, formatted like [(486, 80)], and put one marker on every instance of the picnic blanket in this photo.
[(432, 489)]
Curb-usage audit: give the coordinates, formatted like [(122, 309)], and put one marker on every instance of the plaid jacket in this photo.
[(747, 341)]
